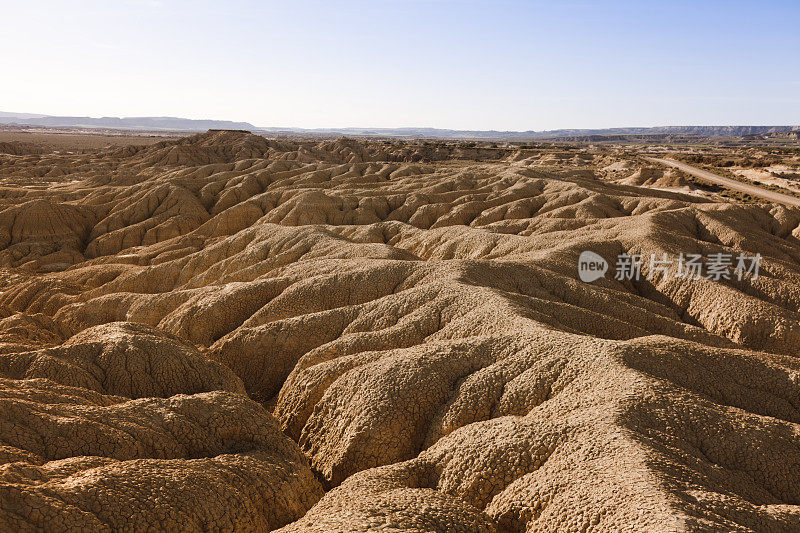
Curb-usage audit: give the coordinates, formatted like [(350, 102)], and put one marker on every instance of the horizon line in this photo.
[(28, 116)]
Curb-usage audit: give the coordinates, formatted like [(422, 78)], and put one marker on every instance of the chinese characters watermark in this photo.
[(717, 266)]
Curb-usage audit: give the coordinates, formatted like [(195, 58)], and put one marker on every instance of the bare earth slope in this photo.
[(230, 332)]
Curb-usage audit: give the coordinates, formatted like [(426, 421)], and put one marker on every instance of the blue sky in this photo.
[(463, 64)]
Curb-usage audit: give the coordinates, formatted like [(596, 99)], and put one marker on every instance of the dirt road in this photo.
[(752, 190)]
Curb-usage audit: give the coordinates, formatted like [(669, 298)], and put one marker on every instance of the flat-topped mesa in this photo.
[(218, 130)]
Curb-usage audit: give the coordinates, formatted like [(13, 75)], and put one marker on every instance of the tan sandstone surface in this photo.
[(225, 332)]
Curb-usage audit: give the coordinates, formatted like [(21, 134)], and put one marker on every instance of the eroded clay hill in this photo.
[(234, 333)]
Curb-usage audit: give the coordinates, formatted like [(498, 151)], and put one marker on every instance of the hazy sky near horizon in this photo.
[(461, 64)]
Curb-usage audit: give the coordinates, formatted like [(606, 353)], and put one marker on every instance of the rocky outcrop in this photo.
[(71, 458)]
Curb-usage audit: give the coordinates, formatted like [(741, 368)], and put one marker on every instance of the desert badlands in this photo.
[(225, 332)]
